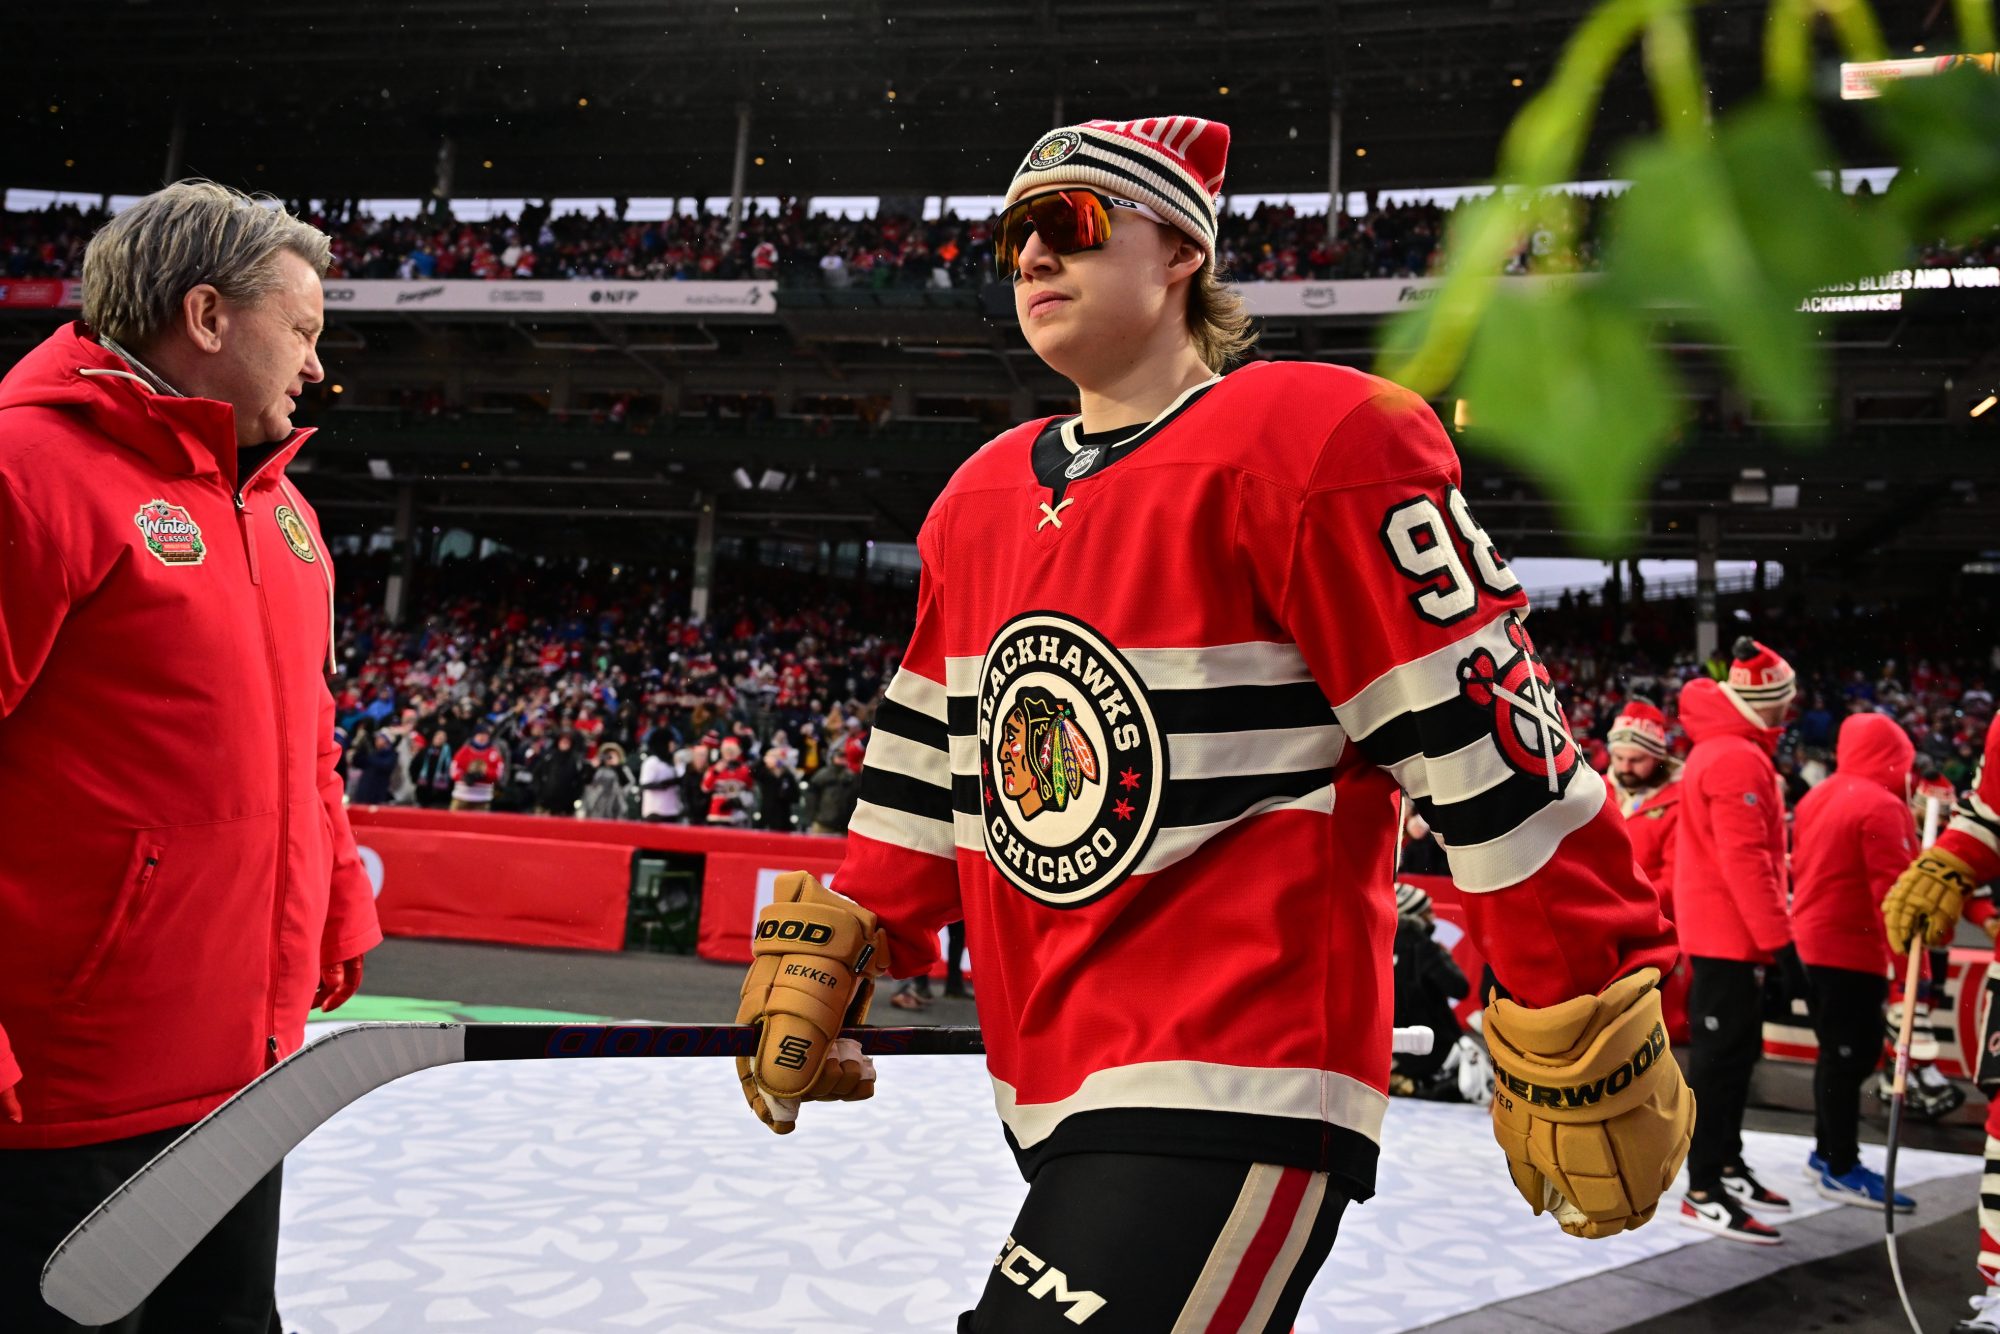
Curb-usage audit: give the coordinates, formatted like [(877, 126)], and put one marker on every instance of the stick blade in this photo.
[(128, 1245)]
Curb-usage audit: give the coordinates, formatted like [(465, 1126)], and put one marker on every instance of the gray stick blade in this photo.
[(114, 1258)]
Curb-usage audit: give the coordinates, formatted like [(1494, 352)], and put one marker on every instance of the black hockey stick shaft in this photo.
[(536, 1042)]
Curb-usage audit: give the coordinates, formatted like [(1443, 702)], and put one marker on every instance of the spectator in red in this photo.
[(729, 783), (1854, 835), (475, 769), (1730, 911), (1645, 780)]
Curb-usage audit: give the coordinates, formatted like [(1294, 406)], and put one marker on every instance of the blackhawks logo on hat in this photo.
[(1054, 150), (1071, 762), (171, 535), (297, 536)]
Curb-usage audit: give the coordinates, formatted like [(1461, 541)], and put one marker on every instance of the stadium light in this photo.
[(1981, 408), (742, 480)]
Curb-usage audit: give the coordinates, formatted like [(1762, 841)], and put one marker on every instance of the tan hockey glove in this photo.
[(1933, 889), (815, 959), (1589, 1106)]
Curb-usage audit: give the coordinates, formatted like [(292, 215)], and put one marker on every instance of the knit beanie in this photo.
[(1173, 164), (1411, 901), (1640, 723), (1758, 677)]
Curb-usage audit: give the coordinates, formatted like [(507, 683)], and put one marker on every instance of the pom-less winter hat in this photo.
[(1640, 723), (1173, 164)]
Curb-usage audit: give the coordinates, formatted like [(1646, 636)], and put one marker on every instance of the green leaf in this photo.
[(1737, 232), (1566, 386), (1947, 135)]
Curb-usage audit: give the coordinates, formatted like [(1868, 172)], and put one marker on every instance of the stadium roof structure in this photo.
[(873, 97)]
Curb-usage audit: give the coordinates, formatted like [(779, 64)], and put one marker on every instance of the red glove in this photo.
[(336, 984)]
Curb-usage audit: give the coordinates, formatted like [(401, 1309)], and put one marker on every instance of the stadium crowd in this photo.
[(791, 246)]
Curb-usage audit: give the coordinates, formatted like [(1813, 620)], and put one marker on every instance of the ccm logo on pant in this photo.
[(1585, 1095), (806, 933), (1020, 1264)]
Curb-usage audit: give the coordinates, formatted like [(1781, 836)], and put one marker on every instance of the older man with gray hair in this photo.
[(178, 883)]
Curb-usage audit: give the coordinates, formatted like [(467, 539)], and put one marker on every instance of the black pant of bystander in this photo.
[(1847, 1019)]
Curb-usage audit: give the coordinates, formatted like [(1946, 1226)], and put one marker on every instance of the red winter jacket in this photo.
[(1854, 834), (175, 865), (1729, 852), (1651, 823)]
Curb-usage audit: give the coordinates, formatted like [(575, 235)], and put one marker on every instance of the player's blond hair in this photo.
[(142, 264), (1218, 321)]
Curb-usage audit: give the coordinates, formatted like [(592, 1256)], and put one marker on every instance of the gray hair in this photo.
[(146, 260)]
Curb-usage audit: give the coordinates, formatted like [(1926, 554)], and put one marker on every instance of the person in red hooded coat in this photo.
[(1854, 834), (178, 883), (1645, 780), (1731, 913)]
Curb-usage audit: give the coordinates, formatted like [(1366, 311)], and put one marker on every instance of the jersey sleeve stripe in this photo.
[(1171, 845), (1206, 801), (1255, 663), (894, 791), (1493, 813), (1443, 729), (1975, 819), (902, 829), (1245, 754), (1457, 776), (912, 759), (1513, 857), (1421, 683), (906, 722), (914, 691)]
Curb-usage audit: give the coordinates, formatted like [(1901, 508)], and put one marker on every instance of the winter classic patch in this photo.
[(171, 535)]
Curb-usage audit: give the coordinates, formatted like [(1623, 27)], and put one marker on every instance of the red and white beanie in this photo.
[(1173, 164), (1640, 723), (1758, 677)]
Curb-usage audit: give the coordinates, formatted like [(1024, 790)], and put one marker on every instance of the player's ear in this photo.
[(1185, 258)]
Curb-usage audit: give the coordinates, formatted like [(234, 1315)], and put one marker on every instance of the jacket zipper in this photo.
[(284, 753)]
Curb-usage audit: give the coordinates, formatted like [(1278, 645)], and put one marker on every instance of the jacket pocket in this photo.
[(139, 877)]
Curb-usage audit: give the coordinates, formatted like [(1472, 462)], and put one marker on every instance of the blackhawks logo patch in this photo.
[(297, 536), (171, 535), (1528, 722), (1054, 150), (1071, 761)]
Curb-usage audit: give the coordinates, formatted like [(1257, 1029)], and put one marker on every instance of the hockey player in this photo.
[(1922, 908), (1173, 655), (1645, 780)]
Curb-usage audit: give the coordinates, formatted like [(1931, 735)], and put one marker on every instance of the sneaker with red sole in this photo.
[(1726, 1218), (1753, 1194)]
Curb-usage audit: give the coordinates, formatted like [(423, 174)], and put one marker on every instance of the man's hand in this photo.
[(1588, 1105), (816, 956), (1927, 897), (338, 982)]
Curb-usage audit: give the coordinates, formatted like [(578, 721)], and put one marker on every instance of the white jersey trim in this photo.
[(900, 829), (1176, 843), (1312, 1095), (1481, 868), (1251, 663), (912, 759), (918, 692), (1459, 776), (1246, 754), (1421, 683)]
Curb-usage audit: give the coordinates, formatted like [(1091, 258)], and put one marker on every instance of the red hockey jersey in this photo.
[(1973, 833), (1146, 741)]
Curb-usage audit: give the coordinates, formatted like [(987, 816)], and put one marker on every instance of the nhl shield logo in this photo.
[(297, 536), (1071, 761), (1528, 722), (1085, 460), (171, 534)]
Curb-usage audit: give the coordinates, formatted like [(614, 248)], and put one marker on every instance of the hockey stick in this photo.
[(128, 1244), (1896, 1119)]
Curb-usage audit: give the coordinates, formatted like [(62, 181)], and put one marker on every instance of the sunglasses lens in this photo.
[(1068, 221)]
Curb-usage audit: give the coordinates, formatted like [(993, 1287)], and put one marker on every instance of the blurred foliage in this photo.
[(1727, 228)]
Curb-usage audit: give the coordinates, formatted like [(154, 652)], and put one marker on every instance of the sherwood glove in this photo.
[(1933, 889), (1589, 1106), (815, 959)]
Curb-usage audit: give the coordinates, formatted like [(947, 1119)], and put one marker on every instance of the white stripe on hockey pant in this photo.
[(1314, 1095), (1176, 843), (885, 824), (1252, 1202), (1459, 776), (1420, 683), (1288, 750), (912, 759), (917, 692), (1281, 1269), (1481, 868)]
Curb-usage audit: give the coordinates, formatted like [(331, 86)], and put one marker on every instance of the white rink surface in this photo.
[(634, 1195)]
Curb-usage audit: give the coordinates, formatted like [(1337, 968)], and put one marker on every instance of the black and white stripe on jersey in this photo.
[(1973, 817), (1499, 821), (1247, 730), (906, 779)]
